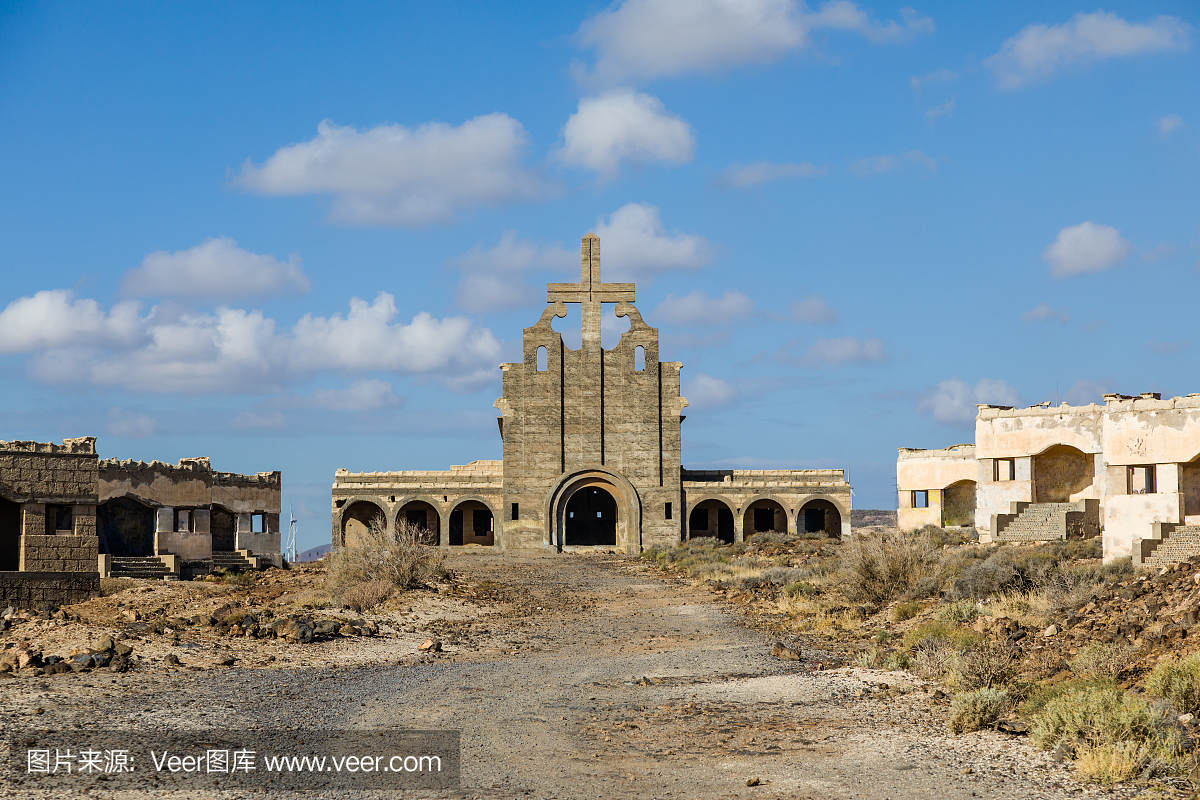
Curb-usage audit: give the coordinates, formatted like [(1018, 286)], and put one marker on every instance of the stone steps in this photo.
[(147, 567), (1181, 544), (1038, 522), (230, 562)]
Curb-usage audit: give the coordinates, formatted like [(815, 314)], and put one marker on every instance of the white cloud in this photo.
[(738, 177), (954, 401), (624, 126), (52, 318), (944, 110), (635, 245), (1166, 348), (705, 391), (814, 310), (253, 420), (877, 165), (393, 175), (1169, 123), (235, 351), (1083, 392), (491, 278), (844, 350), (1086, 247), (216, 268), (1039, 51), (698, 308), (361, 395), (650, 38), (1044, 312), (917, 82), (1157, 253), (130, 424)]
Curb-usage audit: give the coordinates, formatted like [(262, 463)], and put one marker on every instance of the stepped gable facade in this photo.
[(187, 511), (591, 454), (1128, 470)]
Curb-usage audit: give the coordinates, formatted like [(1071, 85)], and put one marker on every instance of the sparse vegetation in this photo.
[(879, 567), (366, 596), (1178, 682), (972, 711), (402, 558)]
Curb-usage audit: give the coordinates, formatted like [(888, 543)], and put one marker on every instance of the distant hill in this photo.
[(315, 553), (862, 517)]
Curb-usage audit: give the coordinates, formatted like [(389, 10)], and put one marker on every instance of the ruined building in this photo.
[(1128, 470), (591, 455)]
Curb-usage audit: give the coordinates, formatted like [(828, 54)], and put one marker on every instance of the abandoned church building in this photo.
[(68, 518), (591, 455), (1128, 470)]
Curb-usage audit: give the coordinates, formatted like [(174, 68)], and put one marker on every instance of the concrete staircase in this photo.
[(1045, 522), (1173, 543), (239, 561), (148, 567)]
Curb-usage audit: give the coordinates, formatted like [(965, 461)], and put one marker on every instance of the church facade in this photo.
[(591, 455)]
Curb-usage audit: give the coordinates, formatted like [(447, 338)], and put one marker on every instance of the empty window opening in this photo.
[(668, 510), (920, 498), (1005, 469), (1141, 480), (542, 359), (764, 519), (58, 519), (639, 358), (257, 523), (183, 521), (516, 511)]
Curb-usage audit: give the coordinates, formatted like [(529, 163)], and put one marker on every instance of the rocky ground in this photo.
[(568, 676)]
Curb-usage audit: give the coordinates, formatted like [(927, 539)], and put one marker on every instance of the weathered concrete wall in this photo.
[(934, 471), (1131, 517), (1010, 432), (1145, 430), (794, 491)]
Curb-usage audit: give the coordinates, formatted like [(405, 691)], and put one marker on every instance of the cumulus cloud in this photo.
[(361, 395), (1043, 312), (1157, 253), (636, 246), (1086, 247), (1166, 348), (705, 391), (844, 350), (918, 82), (214, 269), (651, 38), (1168, 124), (258, 420), (491, 278), (738, 177), (1038, 51), (878, 165), (954, 401), (814, 310), (236, 350), (394, 175), (698, 308), (624, 126), (944, 110), (127, 424)]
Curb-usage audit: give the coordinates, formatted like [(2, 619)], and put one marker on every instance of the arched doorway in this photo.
[(958, 504), (10, 536), (591, 518), (1060, 472), (421, 515), (223, 525), (356, 521), (1189, 485), (820, 516), (126, 527), (471, 522), (763, 516), (711, 518)]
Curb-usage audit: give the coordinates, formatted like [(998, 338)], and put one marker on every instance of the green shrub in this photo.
[(1100, 660), (800, 587), (959, 637), (971, 711), (964, 611), (1039, 695), (1094, 717), (883, 658), (1178, 682), (906, 610)]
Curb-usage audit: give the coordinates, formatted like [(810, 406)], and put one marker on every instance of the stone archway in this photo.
[(472, 523), (819, 516), (422, 515), (764, 515), (711, 517), (628, 516), (126, 527), (591, 518), (356, 520), (958, 504), (10, 535), (1061, 471)]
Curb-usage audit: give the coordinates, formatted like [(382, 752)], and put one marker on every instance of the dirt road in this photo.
[(594, 677)]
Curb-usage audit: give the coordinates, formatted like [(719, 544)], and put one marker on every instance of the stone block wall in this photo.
[(59, 553), (32, 589)]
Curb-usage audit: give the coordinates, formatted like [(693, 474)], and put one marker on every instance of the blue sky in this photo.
[(302, 236)]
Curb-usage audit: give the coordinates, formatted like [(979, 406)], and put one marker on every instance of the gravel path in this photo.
[(594, 678)]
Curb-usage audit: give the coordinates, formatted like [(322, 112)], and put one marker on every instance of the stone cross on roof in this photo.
[(590, 292)]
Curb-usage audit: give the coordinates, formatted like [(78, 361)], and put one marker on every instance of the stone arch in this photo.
[(434, 512), (818, 515), (629, 507), (356, 516), (716, 512), (755, 517), (958, 504), (125, 527), (1061, 472), (462, 531)]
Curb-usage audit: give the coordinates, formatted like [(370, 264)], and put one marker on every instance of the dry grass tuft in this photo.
[(401, 559)]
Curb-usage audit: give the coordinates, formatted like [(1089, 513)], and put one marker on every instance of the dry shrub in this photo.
[(402, 558), (1177, 682), (1100, 660), (972, 711), (986, 666), (1110, 764), (1094, 716), (906, 610), (933, 659), (366, 596), (879, 567)]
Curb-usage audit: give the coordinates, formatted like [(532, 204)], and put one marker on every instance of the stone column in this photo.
[(443, 527), (33, 519), (242, 531), (739, 519), (83, 521), (164, 526)]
